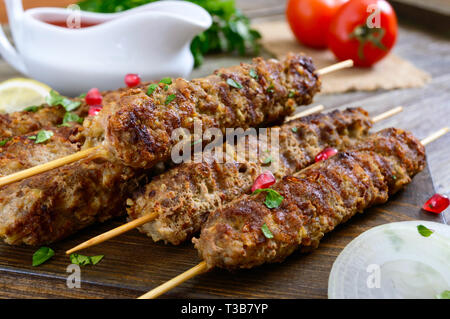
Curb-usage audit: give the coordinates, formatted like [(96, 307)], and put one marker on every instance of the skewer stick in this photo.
[(148, 218), (337, 66), (114, 232), (15, 177), (201, 267), (315, 109), (85, 153), (174, 282)]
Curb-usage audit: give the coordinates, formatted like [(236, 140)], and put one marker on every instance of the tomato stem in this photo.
[(364, 35)]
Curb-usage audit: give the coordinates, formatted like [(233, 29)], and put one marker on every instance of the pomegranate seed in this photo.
[(93, 97), (263, 181), (132, 80), (326, 153), (436, 204), (93, 110)]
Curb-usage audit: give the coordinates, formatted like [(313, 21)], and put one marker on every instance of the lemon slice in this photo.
[(18, 93)]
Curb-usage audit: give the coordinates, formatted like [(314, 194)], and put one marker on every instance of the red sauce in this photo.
[(64, 24)]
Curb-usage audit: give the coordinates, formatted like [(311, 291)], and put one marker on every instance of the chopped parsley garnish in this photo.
[(6, 140), (394, 177), (270, 88), (82, 95), (82, 260), (424, 231), (253, 74), (267, 160), (41, 136), (234, 83), (273, 198), (196, 142), (33, 108), (42, 255), (444, 295), (170, 98), (294, 129), (166, 81), (71, 117), (266, 231), (54, 99), (291, 94), (151, 88)]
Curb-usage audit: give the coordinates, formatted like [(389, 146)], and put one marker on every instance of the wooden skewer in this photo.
[(337, 66), (201, 267), (315, 109), (85, 153), (148, 218)]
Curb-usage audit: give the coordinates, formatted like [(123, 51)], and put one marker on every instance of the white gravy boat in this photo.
[(152, 40)]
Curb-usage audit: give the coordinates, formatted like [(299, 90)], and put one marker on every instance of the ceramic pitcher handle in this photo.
[(10, 54)]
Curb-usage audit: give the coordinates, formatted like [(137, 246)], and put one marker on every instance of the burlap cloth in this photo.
[(392, 72)]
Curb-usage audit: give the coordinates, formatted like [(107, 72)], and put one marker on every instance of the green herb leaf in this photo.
[(151, 89), (273, 198), (42, 255), (294, 129), (6, 140), (270, 88), (394, 177), (71, 117), (253, 74), (234, 83), (166, 81), (267, 160), (41, 136), (170, 98), (424, 231), (33, 108), (196, 142), (266, 231), (82, 95), (444, 295), (291, 94), (82, 260), (54, 99)]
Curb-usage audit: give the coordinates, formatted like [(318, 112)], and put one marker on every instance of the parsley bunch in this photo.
[(229, 32)]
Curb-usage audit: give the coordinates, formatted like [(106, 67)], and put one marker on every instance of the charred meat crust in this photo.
[(50, 206), (139, 133), (184, 195), (316, 200), (21, 152)]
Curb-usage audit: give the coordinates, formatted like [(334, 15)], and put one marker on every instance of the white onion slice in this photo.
[(393, 261)]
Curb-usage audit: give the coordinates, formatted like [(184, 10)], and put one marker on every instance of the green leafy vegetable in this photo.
[(234, 83), (444, 295), (253, 74), (151, 89), (6, 140), (273, 198), (267, 160), (71, 117), (42, 255), (229, 32), (266, 231), (41, 136), (33, 108), (82, 260), (166, 81), (424, 231), (170, 98), (54, 99)]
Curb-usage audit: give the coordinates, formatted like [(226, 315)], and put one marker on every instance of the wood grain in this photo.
[(133, 264)]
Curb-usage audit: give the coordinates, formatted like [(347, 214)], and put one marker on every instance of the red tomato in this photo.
[(364, 31), (310, 20)]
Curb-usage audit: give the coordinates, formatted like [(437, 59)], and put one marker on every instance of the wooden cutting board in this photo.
[(133, 264)]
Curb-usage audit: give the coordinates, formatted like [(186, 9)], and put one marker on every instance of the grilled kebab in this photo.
[(246, 233), (184, 195)]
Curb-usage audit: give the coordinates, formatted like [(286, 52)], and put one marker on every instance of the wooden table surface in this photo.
[(426, 110)]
